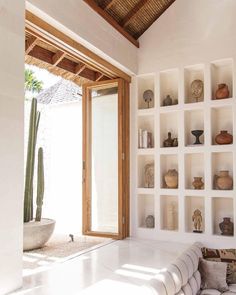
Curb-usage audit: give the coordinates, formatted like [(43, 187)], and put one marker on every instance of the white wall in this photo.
[(189, 32), (11, 142), (76, 19)]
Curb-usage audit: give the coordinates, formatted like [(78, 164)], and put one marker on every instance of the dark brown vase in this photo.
[(222, 91), (226, 227), (224, 137), (169, 141)]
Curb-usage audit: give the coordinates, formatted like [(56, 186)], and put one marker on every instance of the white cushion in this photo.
[(186, 259), (197, 250), (176, 276), (187, 290), (232, 288), (155, 285), (210, 292), (183, 270), (197, 277), (194, 257), (167, 281), (194, 286), (181, 292)]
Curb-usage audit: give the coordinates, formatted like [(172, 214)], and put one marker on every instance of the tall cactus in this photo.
[(40, 185), (29, 175)]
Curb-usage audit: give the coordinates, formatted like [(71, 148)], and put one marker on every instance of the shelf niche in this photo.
[(169, 85), (142, 161), (192, 73), (145, 83), (167, 162), (146, 123), (194, 167), (145, 208), (222, 72), (191, 204), (169, 213), (221, 207), (221, 161), (221, 119), (194, 120), (169, 123)]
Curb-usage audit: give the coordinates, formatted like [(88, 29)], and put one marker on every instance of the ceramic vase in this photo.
[(150, 221), (226, 227), (197, 134), (224, 181), (171, 178), (222, 91), (167, 101), (224, 137), (197, 183), (169, 141)]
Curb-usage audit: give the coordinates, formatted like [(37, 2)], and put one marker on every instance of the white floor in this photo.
[(116, 268)]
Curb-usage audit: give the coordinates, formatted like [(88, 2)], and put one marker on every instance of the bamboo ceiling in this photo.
[(130, 17)]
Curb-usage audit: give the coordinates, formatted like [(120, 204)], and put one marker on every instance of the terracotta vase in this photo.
[(171, 178), (198, 183), (224, 181), (224, 137), (222, 91), (227, 227), (169, 141)]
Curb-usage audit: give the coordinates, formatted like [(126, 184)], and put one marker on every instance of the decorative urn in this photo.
[(197, 183), (223, 181), (226, 227), (171, 178), (224, 137), (222, 91)]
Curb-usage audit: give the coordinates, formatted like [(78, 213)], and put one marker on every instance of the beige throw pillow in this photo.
[(213, 275)]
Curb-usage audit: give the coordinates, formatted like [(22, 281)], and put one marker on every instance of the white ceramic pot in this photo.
[(37, 233)]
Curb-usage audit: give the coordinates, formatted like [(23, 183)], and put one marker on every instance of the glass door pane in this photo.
[(104, 159)]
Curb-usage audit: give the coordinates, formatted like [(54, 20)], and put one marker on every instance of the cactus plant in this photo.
[(29, 175)]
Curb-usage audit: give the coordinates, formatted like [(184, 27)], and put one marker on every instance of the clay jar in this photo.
[(169, 141), (198, 183), (226, 227), (171, 178), (167, 101), (224, 181), (224, 137), (222, 91)]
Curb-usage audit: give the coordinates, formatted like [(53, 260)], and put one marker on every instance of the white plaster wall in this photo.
[(76, 19), (189, 32), (11, 142)]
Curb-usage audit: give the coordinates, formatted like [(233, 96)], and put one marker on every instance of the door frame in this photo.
[(123, 158)]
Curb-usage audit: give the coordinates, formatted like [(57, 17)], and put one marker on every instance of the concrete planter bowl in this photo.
[(37, 233)]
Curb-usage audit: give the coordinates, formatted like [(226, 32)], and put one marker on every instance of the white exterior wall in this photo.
[(76, 19), (11, 142)]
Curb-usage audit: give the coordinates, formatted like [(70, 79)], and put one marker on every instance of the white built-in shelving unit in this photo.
[(189, 160)]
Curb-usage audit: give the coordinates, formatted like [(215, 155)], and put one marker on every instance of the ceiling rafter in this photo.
[(133, 12), (98, 77), (30, 43), (57, 57), (111, 21), (79, 68)]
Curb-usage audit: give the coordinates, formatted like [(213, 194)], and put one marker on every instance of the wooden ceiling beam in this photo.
[(79, 68), (98, 76), (57, 57), (111, 21), (133, 12), (65, 64), (30, 43)]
